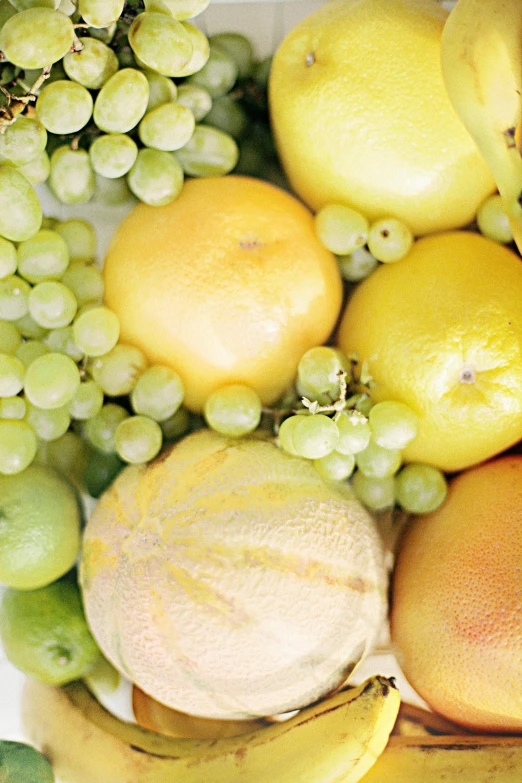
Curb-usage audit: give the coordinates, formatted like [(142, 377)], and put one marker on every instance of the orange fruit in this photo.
[(456, 622), (442, 332), (228, 284), (361, 116)]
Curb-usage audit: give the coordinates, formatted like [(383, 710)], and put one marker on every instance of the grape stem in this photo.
[(17, 104)]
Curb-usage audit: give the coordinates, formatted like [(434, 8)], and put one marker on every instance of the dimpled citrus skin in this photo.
[(227, 580), (228, 284), (442, 332), (368, 122), (456, 620)]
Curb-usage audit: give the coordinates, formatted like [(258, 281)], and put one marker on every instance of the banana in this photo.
[(453, 759), (334, 741), (481, 58)]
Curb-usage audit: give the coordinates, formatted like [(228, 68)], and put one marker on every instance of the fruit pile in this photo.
[(306, 332)]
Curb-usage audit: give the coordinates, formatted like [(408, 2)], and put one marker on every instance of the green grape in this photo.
[(67, 7), (85, 281), (233, 410), (112, 192), (43, 257), (335, 466), (209, 153), (304, 391), (393, 424), (48, 424), (29, 329), (375, 493), (93, 65), (12, 372), (261, 72), (122, 101), (31, 350), (377, 462), (36, 38), (167, 128), (104, 34), (23, 5), (114, 154), (161, 89), (17, 446), (315, 436), (229, 116), (68, 454), (51, 381), (200, 51), (160, 43), (52, 304), (239, 48), (357, 265), (138, 439), (71, 178), (156, 178), (37, 170), (8, 258), (61, 340), (354, 432), (286, 434), (10, 337), (13, 408), (80, 238), (420, 488), (176, 425), (101, 429), (64, 107), (252, 162), (87, 402), (20, 210), (196, 99), (96, 331), (178, 9), (22, 141), (341, 229), (319, 368), (118, 371), (492, 220), (100, 472), (158, 393), (389, 240), (100, 13), (6, 12), (14, 298), (218, 75)]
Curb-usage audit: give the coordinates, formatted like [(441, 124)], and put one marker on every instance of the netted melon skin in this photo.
[(227, 580)]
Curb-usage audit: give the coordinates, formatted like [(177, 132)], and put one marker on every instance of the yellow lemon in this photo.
[(361, 117), (442, 331)]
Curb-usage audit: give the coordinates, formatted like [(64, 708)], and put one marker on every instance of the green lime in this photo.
[(45, 634), (40, 518), (21, 763)]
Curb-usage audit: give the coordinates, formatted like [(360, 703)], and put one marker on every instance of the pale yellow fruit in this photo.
[(361, 116), (227, 580)]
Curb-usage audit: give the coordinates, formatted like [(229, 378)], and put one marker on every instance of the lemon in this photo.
[(361, 117)]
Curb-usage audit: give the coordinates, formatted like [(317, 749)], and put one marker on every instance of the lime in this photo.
[(45, 633), (39, 527), (20, 763)]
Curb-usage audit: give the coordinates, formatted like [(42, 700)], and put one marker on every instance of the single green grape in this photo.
[(23, 5), (492, 220), (37, 171), (14, 298), (68, 454), (341, 229), (375, 493), (20, 210), (18, 446), (100, 471), (195, 98), (101, 428), (218, 75), (335, 466), (176, 425), (315, 436), (156, 177), (239, 48), (93, 65), (200, 51), (178, 9), (52, 304), (160, 42), (36, 37), (261, 72), (7, 10), (22, 141), (208, 153), (8, 258), (80, 238), (420, 488), (158, 393), (100, 13), (51, 380), (112, 192), (358, 265), (13, 408), (286, 434), (12, 372), (118, 370), (393, 424), (354, 432), (167, 128), (122, 101), (31, 350), (319, 369), (138, 439), (48, 424), (113, 154), (161, 89), (233, 410), (64, 106), (71, 178), (61, 340), (96, 331), (43, 257), (389, 240), (377, 462), (10, 337), (229, 116), (87, 402), (85, 281)]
